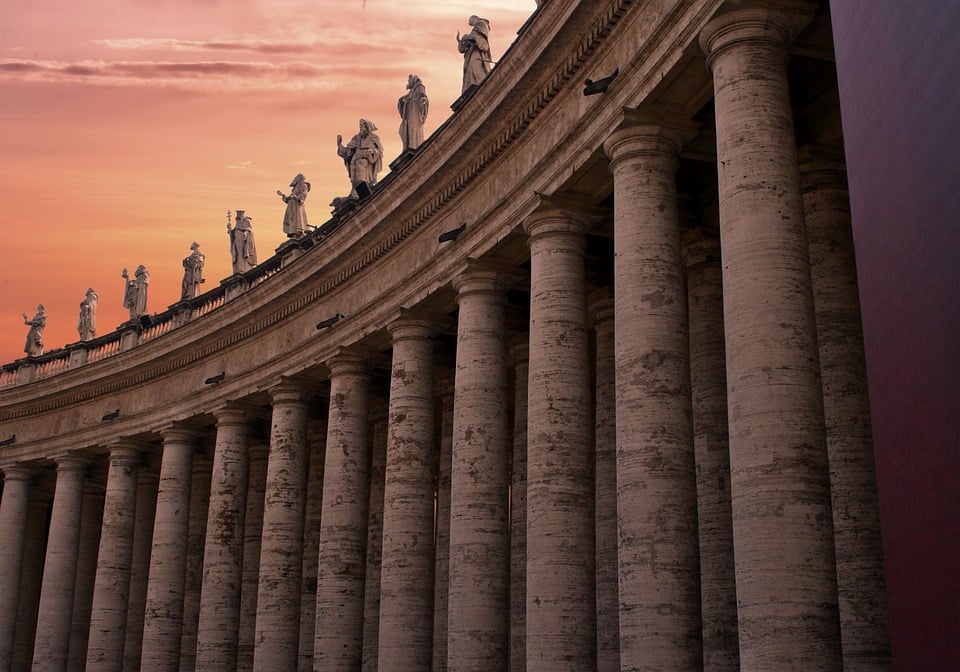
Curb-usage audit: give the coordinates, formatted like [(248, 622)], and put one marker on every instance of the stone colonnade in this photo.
[(674, 472)]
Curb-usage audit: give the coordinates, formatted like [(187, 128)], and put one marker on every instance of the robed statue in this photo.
[(34, 344), (295, 217), (243, 249), (475, 47), (363, 156), (413, 107), (135, 291), (192, 273), (87, 324)]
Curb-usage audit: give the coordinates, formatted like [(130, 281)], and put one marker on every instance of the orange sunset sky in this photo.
[(128, 128)]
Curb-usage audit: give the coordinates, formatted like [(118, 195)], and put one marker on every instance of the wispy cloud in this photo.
[(248, 46), (243, 165)]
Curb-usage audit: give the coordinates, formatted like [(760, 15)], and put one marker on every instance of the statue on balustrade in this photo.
[(135, 291), (363, 156), (192, 273), (87, 325), (243, 249), (475, 48), (34, 345), (413, 108), (295, 218)]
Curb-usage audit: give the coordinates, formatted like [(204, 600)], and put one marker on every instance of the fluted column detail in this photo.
[(601, 312), (317, 441), (406, 571), (276, 646), (148, 482), (519, 356), (13, 529), (252, 528), (168, 557), (60, 567), (224, 545), (108, 614), (561, 623), (782, 527), (708, 393), (343, 526), (853, 483)]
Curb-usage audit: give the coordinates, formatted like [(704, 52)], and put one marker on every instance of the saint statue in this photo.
[(34, 344), (363, 156), (135, 292), (192, 273), (475, 48), (87, 325), (413, 107), (243, 249), (295, 218)]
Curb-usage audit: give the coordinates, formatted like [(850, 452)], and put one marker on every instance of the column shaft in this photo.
[(90, 526), (55, 612), (561, 623), (442, 544), (371, 593), (343, 524), (193, 576), (13, 530), (317, 439), (519, 354), (478, 617), (148, 482), (31, 571), (782, 528), (406, 570), (252, 529)]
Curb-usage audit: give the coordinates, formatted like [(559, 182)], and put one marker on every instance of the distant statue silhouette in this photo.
[(135, 292), (34, 344), (243, 249), (192, 273), (87, 324)]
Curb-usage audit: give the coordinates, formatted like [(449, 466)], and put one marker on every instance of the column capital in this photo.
[(697, 248), (821, 167), (18, 472), (480, 278), (234, 414), (348, 361), (649, 131), (179, 433), (562, 216), (289, 391), (600, 307), (415, 324), (518, 350), (755, 21), (71, 463)]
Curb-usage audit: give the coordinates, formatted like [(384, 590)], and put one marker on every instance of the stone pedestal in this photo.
[(223, 555), (60, 568), (343, 527), (782, 528), (13, 529), (656, 477), (276, 646), (406, 570), (108, 615), (561, 623), (519, 354), (168, 559), (478, 615)]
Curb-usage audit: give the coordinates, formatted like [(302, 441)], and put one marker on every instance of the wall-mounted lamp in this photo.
[(110, 417), (452, 235), (213, 380), (330, 321)]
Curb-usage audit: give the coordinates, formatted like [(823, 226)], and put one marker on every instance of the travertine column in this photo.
[(55, 612), (252, 528), (853, 483), (782, 528), (108, 614), (343, 524), (406, 570), (561, 623), (90, 525), (13, 529), (193, 575), (519, 354), (148, 482), (478, 617), (601, 311), (708, 393), (168, 558), (31, 570), (316, 440), (276, 645), (223, 553), (371, 594), (656, 476), (441, 585)]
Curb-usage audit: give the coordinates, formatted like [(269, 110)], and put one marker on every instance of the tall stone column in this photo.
[(31, 571), (853, 483), (252, 529), (317, 441), (601, 312), (519, 355), (223, 545), (148, 482), (55, 612), (656, 476), (371, 593), (406, 570), (780, 490), (343, 525), (90, 526), (200, 480), (442, 544), (276, 646), (561, 623), (708, 393), (108, 614), (478, 617), (13, 530), (168, 558)]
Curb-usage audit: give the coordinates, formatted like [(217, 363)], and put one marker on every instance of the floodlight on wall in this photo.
[(8, 442), (592, 87), (329, 322), (213, 380), (110, 417), (452, 234)]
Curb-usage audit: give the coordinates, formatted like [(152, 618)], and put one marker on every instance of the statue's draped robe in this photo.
[(364, 158), (34, 344), (243, 249), (413, 113), (475, 48), (295, 217), (135, 296), (192, 276)]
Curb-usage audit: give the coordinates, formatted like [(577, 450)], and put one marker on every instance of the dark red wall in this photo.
[(899, 70)]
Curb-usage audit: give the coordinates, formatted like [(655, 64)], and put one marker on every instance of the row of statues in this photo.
[(363, 158)]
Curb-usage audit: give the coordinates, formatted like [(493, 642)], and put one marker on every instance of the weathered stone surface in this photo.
[(519, 354), (371, 593), (253, 525), (441, 585), (193, 577), (90, 525), (317, 442), (148, 483), (13, 529)]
